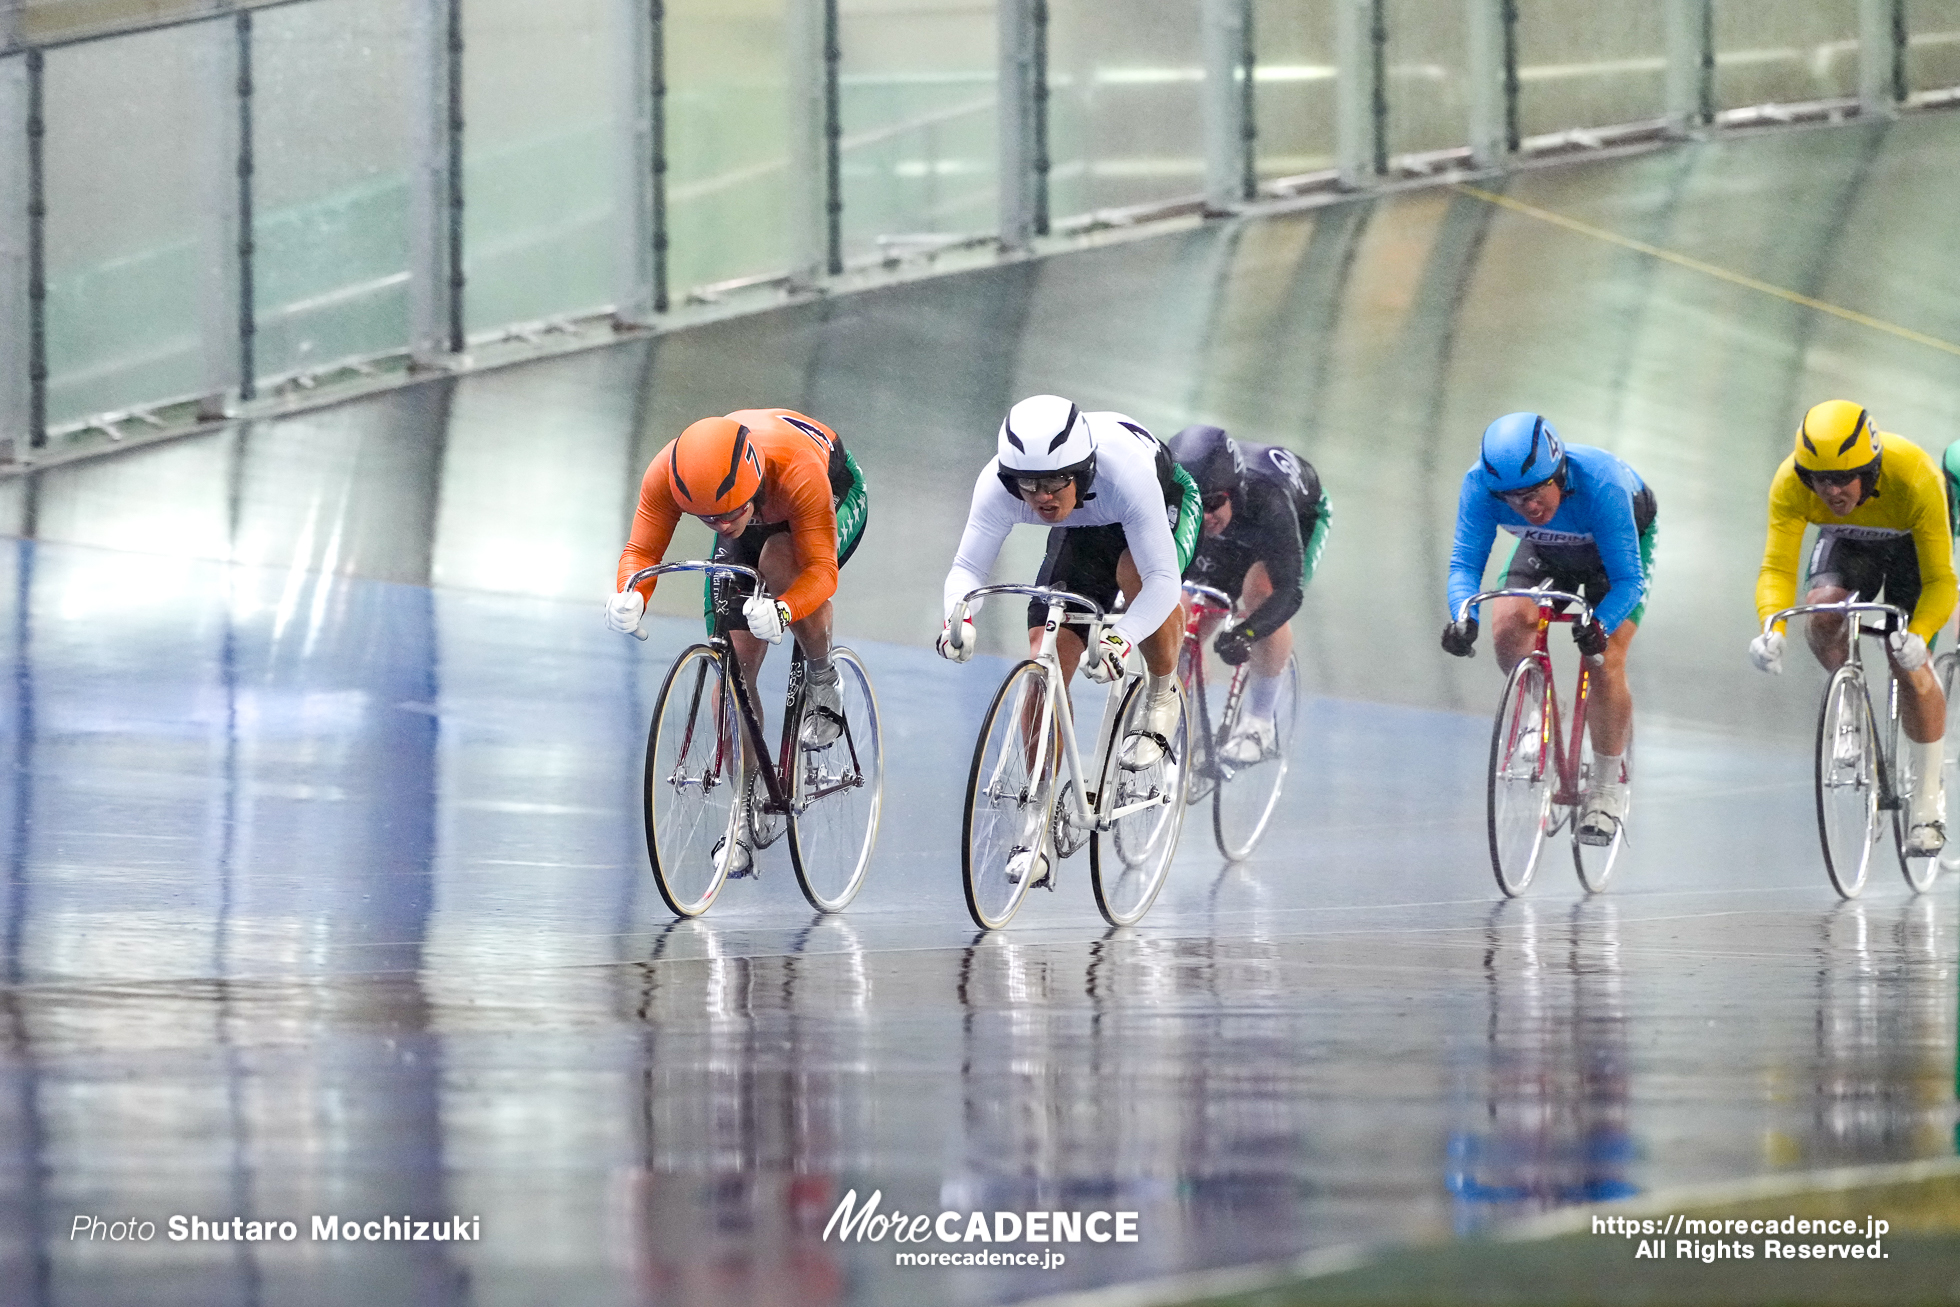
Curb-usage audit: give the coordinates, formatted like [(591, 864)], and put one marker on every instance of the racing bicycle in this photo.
[(1538, 782), (1243, 795), (1862, 773), (1022, 814), (710, 781)]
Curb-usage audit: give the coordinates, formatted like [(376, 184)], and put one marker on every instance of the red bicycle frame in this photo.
[(1565, 758)]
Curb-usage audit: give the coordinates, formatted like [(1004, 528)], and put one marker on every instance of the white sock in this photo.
[(1926, 802), (1606, 768), (1261, 695), (1158, 687)]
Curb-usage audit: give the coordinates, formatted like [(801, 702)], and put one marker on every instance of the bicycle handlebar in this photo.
[(1844, 606), (1052, 595), (1210, 594), (695, 565), (1540, 594)]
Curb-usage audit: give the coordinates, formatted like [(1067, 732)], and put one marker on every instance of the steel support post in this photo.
[(1227, 123), (633, 82), (16, 313), (1690, 65), (1484, 26), (1023, 135), (1876, 58), (1353, 121), (226, 322), (808, 172), (435, 201)]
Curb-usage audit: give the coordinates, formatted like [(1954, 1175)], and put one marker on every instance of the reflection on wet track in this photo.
[(325, 892)]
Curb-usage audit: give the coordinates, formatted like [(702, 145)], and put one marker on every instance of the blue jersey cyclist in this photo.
[(1584, 521), (1265, 524)]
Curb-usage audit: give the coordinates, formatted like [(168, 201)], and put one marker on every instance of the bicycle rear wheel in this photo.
[(693, 780), (1520, 784), (1920, 872), (1129, 861), (1010, 794), (1595, 863), (836, 794), (1947, 668), (1246, 796), (1847, 780)]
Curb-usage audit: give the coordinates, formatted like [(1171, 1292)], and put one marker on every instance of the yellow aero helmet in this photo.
[(1836, 436)]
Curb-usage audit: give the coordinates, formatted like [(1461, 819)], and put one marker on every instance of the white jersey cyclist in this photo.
[(1129, 490)]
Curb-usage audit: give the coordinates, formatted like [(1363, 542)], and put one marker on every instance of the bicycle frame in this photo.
[(1057, 716), (1896, 618), (775, 776), (1209, 606), (1564, 759)]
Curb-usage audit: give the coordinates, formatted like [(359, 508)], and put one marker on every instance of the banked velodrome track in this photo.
[(325, 891)]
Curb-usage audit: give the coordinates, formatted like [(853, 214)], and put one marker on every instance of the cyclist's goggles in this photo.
[(1835, 480), (723, 519), (1216, 500), (1052, 484), (1517, 498)]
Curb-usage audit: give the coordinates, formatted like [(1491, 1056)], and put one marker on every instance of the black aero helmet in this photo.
[(1212, 458)]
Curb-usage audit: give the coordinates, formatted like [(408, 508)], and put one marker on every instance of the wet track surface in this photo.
[(325, 891)]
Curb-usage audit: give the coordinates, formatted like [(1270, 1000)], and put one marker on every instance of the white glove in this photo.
[(945, 642), (624, 610), (767, 618), (1766, 651), (1908, 650), (1110, 658)]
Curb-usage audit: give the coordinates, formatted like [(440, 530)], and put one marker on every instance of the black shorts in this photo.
[(1580, 570), (1868, 568), (1081, 559)]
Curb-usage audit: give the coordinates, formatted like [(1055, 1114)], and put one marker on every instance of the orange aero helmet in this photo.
[(712, 467)]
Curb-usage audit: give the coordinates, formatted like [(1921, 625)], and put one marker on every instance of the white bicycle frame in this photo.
[(1056, 712), (1889, 798)]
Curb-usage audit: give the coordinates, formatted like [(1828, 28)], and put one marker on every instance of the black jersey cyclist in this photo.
[(1265, 523)]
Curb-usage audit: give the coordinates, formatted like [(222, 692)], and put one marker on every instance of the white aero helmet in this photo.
[(1046, 435)]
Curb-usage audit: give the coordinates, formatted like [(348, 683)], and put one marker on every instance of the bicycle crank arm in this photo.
[(1155, 800)]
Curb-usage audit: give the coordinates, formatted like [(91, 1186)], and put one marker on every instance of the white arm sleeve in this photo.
[(1152, 549), (988, 521)]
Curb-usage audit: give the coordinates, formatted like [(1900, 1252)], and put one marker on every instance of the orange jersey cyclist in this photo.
[(1879, 503), (1584, 521), (1123, 518), (782, 497)]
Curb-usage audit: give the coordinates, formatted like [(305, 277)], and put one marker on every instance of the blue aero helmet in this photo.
[(1521, 450)]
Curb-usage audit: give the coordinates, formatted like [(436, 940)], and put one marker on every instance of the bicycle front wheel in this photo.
[(1520, 786), (836, 794), (1139, 813), (1595, 863), (1847, 780), (1010, 794), (693, 781), (1248, 790)]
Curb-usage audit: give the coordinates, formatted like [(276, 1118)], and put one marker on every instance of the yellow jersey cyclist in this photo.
[(1265, 523), (1123, 518), (782, 497), (1584, 521), (1879, 504)]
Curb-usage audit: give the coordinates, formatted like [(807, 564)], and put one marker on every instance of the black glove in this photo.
[(1590, 637), (1234, 643), (1460, 638)]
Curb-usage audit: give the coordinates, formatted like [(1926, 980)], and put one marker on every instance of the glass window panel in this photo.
[(727, 141), (1582, 64), (125, 195), (1427, 109), (540, 153), (332, 141), (1294, 86), (1772, 51), (1125, 119), (1932, 44), (920, 119)]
